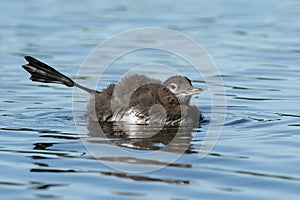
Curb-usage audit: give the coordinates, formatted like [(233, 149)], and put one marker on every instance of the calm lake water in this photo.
[(256, 47)]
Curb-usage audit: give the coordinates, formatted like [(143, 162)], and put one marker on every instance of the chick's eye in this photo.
[(173, 86)]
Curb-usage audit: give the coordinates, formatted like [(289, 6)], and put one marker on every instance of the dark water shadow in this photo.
[(141, 138)]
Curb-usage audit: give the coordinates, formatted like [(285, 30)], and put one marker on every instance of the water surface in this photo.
[(256, 47)]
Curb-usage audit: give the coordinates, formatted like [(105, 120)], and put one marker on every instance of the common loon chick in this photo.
[(135, 99)]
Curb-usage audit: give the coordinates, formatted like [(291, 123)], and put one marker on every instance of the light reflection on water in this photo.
[(256, 157)]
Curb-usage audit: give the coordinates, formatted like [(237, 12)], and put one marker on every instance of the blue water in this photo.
[(255, 46)]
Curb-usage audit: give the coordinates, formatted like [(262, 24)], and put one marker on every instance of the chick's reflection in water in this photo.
[(173, 139)]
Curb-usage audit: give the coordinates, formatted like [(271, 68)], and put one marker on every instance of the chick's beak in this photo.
[(193, 91)]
